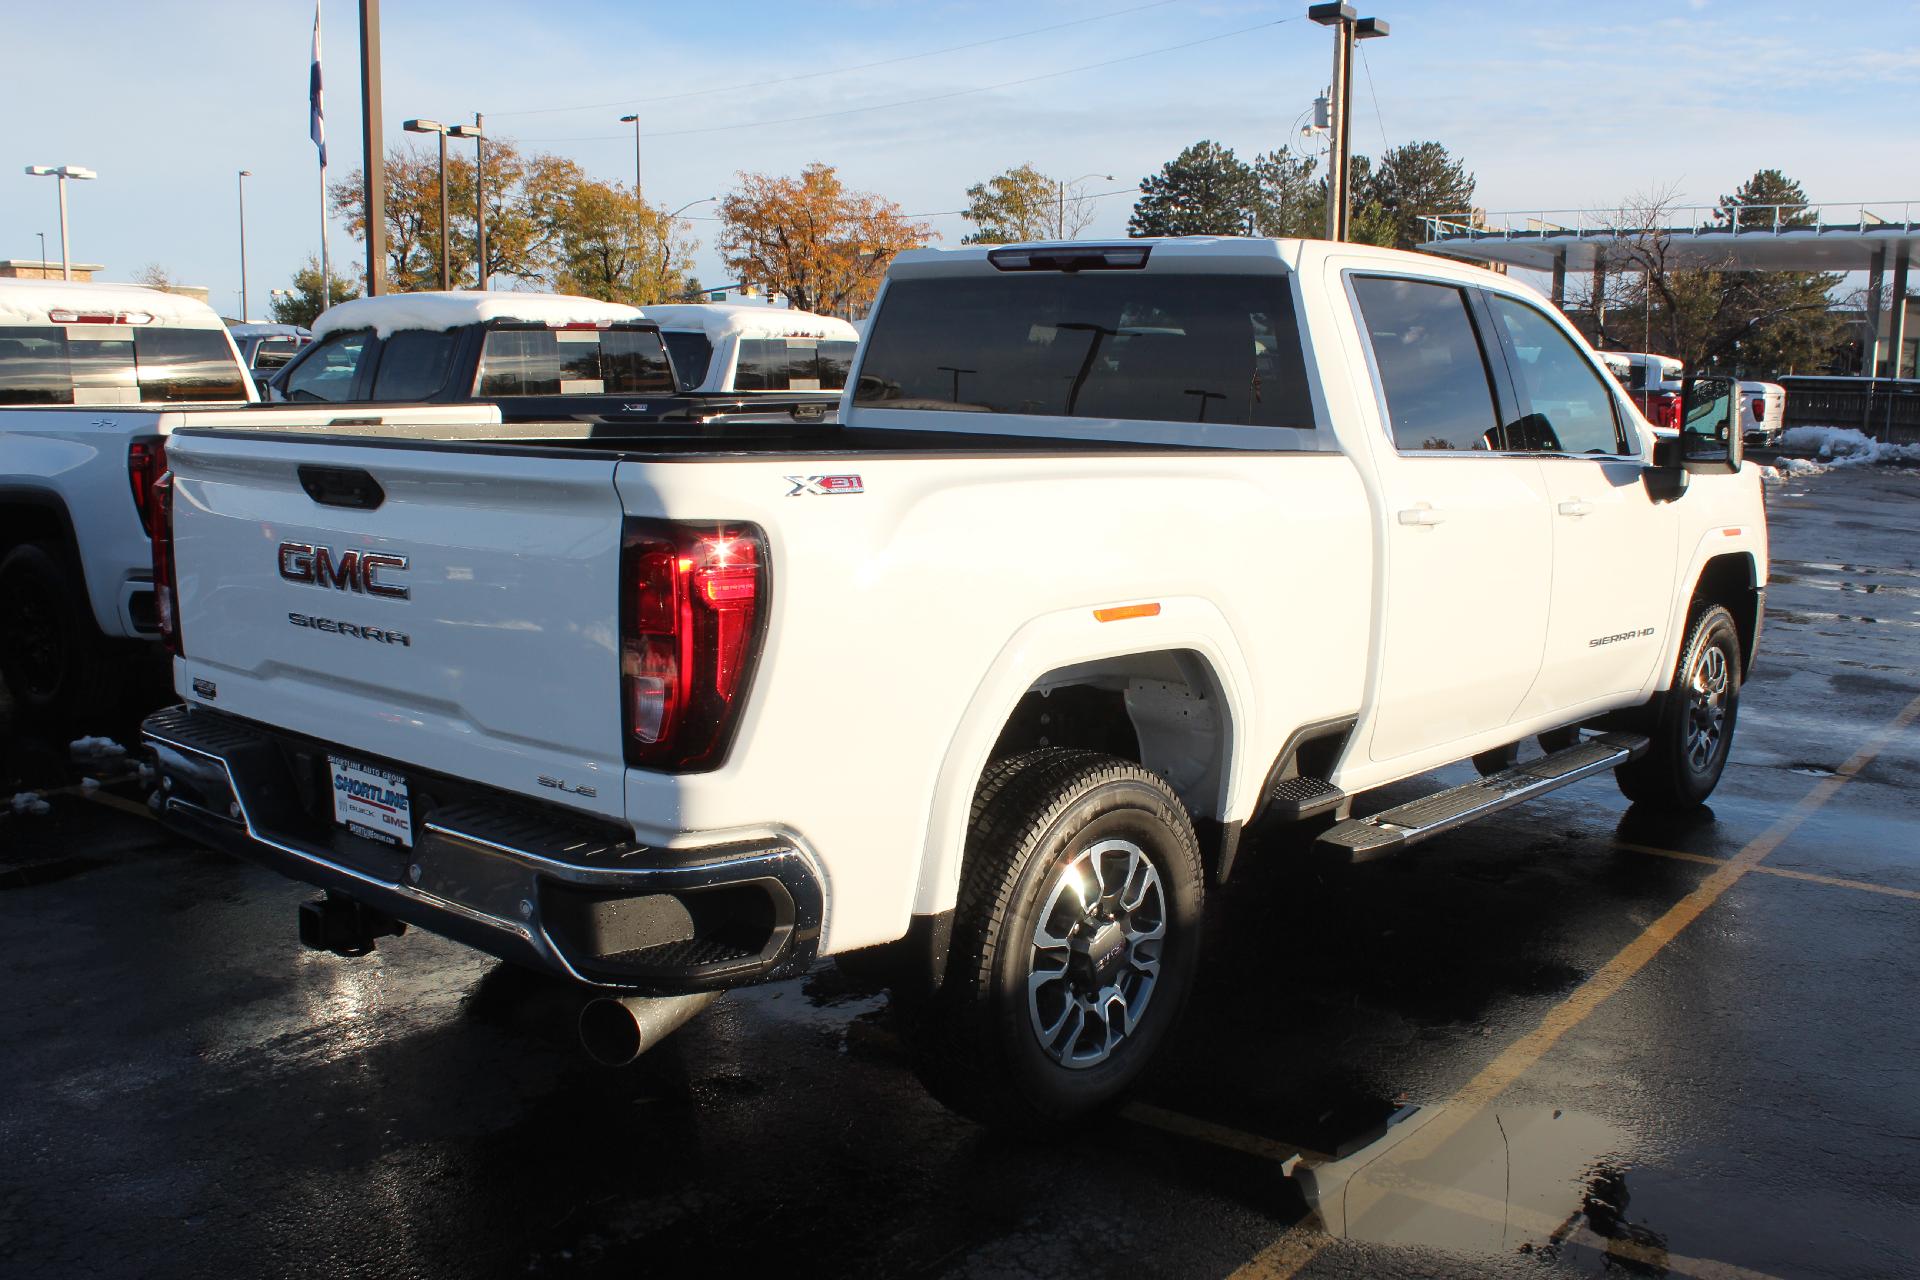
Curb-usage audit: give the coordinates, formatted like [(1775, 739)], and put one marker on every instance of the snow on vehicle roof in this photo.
[(720, 320), (27, 302), (391, 312)]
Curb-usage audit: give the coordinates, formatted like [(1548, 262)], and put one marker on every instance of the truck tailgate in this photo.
[(480, 639)]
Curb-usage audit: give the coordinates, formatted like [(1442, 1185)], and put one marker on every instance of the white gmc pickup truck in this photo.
[(1116, 550)]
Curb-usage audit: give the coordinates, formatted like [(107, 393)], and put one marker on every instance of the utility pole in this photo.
[(373, 155), (479, 135), (1347, 29)]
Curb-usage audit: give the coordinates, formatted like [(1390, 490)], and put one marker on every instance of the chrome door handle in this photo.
[(1425, 516), (1576, 508)]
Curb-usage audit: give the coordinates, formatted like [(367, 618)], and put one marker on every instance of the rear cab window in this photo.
[(117, 364), (792, 364), (1105, 347), (535, 361)]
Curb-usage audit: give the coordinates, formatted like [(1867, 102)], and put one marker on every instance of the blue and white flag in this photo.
[(319, 126)]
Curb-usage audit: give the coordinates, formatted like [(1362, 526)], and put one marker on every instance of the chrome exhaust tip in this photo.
[(614, 1030)]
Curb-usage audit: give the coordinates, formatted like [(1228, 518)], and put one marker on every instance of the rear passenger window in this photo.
[(1121, 346), (413, 364), (1439, 393), (1567, 406)]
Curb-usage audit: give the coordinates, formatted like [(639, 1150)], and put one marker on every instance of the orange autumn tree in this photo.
[(825, 247)]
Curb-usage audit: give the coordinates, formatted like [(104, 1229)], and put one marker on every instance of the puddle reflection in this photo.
[(1486, 1182)]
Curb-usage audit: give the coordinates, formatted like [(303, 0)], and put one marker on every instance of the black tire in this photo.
[(1691, 727), (978, 1042), (60, 671)]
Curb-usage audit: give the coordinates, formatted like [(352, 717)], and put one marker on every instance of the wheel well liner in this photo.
[(34, 515), (1730, 580)]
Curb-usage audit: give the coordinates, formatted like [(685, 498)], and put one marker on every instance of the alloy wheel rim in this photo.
[(33, 641), (1096, 953), (1707, 690)]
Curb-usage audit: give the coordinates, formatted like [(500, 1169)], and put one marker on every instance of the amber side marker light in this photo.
[(1120, 612)]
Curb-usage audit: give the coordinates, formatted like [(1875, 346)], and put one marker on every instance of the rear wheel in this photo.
[(1076, 937), (60, 671), (1693, 721)]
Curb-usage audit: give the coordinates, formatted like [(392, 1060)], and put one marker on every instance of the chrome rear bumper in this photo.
[(519, 880)]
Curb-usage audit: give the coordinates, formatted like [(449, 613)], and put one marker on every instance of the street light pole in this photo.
[(446, 249), (1347, 29), (61, 174), (241, 182), (43, 253), (474, 131), (1060, 193), (634, 120)]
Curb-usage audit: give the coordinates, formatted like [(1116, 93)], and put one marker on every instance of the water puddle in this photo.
[(1492, 1182)]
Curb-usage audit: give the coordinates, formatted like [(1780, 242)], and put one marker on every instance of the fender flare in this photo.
[(1058, 640), (1715, 543)]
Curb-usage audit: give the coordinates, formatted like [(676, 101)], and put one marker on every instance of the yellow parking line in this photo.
[(1219, 1135), (1785, 873), (1287, 1255), (124, 805)]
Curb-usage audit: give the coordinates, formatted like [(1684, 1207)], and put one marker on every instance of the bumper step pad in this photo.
[(1362, 839)]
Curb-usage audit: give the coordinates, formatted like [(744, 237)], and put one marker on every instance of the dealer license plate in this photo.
[(371, 802)]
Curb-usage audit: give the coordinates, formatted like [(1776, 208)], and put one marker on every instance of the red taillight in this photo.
[(693, 601), (146, 461), (1759, 408), (166, 601)]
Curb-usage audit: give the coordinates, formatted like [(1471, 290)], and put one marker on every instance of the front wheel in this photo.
[(1693, 721), (1075, 939)]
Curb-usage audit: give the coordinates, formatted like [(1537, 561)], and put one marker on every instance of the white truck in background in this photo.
[(93, 379), (1116, 550), (723, 347)]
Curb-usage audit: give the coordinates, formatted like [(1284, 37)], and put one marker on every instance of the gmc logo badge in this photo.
[(342, 570)]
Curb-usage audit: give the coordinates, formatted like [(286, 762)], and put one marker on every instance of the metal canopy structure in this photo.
[(1866, 237), (1751, 238)]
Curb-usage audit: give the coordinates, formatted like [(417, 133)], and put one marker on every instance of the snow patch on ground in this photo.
[(1838, 447), (29, 803), (95, 749)]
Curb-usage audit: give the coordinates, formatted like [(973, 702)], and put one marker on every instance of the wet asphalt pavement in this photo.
[(1613, 1049)]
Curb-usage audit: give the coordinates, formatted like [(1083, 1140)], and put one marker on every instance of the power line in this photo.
[(834, 71), (936, 97), (1368, 68)]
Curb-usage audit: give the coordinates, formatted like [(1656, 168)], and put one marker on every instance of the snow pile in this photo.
[(1841, 447), (82, 749), (30, 803), (723, 320), (391, 312), (26, 302)]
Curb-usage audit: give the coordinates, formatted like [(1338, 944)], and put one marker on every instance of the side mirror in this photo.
[(1710, 433)]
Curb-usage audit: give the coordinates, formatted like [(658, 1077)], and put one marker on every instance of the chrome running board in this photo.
[(1362, 839)]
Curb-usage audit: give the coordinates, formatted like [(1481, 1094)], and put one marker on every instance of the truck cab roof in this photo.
[(456, 308)]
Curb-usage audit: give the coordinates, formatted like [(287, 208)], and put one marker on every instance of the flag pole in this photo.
[(317, 127)]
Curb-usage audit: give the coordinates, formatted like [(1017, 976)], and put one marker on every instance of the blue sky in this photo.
[(1553, 105)]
